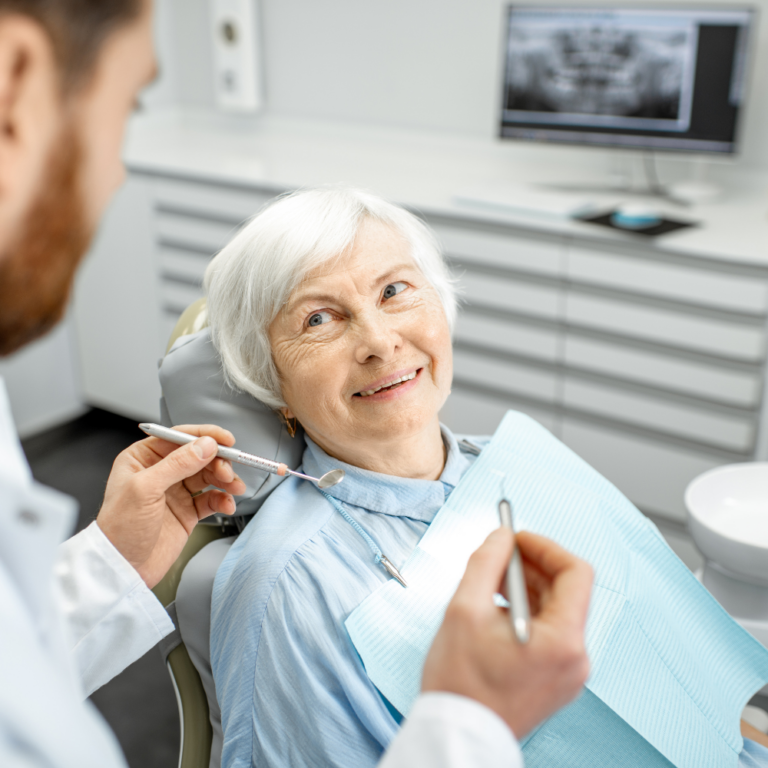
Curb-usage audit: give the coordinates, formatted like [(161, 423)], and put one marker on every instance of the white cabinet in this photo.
[(477, 413), (650, 365), (670, 327), (509, 294), (668, 371), (504, 376), (475, 329), (653, 277), (531, 253), (652, 473), (667, 417), (663, 367), (145, 268), (193, 221), (117, 308)]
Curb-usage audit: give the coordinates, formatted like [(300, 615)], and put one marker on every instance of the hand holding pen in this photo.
[(476, 653), (157, 492)]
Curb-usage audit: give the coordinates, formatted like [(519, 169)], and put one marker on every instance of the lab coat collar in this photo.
[(389, 494)]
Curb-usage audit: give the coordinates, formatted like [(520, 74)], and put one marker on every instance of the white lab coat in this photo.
[(74, 614)]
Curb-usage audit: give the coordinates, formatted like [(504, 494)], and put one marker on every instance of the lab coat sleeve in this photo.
[(444, 730), (111, 616)]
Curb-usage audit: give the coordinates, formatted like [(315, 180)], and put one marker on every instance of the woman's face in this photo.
[(350, 330)]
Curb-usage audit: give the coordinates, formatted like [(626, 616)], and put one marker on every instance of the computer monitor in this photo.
[(629, 77)]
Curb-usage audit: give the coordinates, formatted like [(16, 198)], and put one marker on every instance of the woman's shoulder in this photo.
[(246, 579), (293, 514)]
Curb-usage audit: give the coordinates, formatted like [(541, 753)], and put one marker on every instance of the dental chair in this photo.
[(194, 392)]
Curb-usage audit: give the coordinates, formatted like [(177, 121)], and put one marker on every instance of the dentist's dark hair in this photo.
[(77, 29)]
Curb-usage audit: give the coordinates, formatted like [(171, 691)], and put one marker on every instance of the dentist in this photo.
[(74, 613)]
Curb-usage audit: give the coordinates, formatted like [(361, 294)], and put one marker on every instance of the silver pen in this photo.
[(517, 593), (241, 457)]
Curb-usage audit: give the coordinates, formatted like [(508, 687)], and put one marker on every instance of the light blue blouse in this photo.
[(291, 686)]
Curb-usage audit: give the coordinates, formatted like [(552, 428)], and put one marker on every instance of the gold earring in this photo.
[(291, 427)]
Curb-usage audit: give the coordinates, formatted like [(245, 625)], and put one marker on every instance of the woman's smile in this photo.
[(394, 385)]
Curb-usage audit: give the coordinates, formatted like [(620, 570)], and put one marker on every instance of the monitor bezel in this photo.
[(736, 145)]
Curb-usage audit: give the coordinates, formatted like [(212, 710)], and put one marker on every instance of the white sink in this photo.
[(728, 519)]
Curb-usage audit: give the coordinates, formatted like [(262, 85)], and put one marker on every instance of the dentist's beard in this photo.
[(37, 273)]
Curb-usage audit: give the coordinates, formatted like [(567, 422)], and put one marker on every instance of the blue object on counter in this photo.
[(633, 216)]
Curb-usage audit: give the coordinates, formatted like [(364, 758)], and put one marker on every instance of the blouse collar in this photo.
[(390, 494)]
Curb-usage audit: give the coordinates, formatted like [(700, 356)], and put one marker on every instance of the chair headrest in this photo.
[(194, 392)]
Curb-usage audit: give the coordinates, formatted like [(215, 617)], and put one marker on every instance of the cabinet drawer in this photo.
[(652, 475), (671, 281), (529, 255), (185, 266), (234, 205), (469, 413), (732, 432), (721, 384), (506, 336), (487, 371), (176, 297), (718, 337), (199, 234), (510, 295)]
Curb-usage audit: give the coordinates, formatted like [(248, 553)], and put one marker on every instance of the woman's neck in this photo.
[(421, 456)]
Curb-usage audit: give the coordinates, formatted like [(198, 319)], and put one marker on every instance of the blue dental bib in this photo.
[(671, 671)]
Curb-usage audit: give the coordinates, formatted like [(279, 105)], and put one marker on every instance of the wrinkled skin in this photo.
[(363, 336)]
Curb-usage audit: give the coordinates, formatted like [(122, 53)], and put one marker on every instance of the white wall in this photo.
[(423, 64), (43, 382)]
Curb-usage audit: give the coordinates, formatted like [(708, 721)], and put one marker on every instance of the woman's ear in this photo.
[(290, 421), (32, 113)]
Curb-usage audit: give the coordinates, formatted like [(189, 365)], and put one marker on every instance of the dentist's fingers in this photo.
[(182, 463), (565, 601), (207, 477), (222, 470), (212, 502), (148, 511), (218, 472)]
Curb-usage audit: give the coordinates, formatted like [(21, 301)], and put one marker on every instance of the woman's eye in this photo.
[(319, 318), (393, 289)]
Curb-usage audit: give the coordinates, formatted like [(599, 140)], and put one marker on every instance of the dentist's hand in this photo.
[(149, 509), (475, 653)]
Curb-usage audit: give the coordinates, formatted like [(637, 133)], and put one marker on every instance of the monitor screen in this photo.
[(645, 78)]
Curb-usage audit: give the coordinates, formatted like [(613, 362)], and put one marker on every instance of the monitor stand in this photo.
[(694, 191)]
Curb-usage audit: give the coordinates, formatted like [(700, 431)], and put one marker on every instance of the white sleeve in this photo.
[(446, 731), (111, 616)]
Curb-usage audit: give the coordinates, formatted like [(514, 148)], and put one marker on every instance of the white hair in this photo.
[(250, 280)]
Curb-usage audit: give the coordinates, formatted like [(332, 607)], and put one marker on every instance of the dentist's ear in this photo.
[(32, 112)]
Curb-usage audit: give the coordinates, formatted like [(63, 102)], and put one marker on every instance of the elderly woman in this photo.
[(334, 308)]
